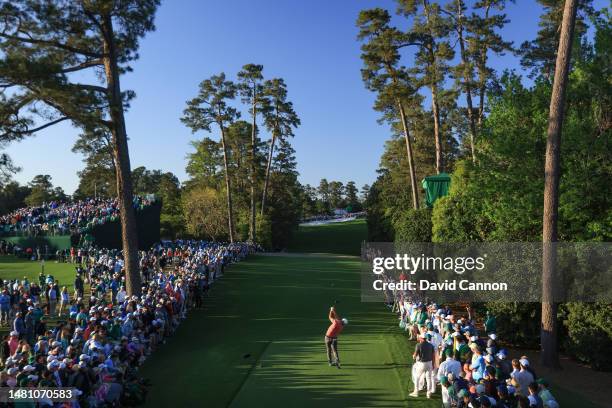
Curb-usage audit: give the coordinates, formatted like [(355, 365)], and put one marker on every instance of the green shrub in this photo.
[(264, 231), (413, 226), (517, 322), (379, 227), (589, 333), (459, 216)]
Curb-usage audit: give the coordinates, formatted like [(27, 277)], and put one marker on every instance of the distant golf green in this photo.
[(335, 238), (16, 268)]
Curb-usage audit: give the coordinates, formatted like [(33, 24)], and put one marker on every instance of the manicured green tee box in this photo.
[(259, 341)]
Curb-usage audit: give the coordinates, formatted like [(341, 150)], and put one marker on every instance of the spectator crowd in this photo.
[(102, 335), (468, 364), (57, 218)]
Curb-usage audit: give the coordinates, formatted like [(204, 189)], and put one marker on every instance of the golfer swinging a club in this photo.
[(331, 336)]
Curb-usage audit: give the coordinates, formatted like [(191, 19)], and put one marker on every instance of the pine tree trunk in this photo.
[(483, 91), (129, 231), (436, 115), (482, 72), (267, 178), (467, 76), (550, 357), (413, 183), (228, 191), (434, 93), (252, 224)]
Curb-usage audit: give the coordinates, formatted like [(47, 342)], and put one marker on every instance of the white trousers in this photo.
[(423, 373), (446, 402)]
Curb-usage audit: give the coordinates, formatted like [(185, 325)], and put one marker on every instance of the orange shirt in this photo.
[(334, 329)]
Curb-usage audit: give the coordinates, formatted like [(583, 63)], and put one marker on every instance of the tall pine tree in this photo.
[(539, 55), (41, 44), (211, 107), (383, 74), (251, 89), (484, 38), (280, 119), (430, 30)]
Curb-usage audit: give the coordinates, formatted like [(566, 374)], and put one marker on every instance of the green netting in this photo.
[(435, 187)]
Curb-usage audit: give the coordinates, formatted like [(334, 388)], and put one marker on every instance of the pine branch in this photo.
[(86, 64), (95, 88), (57, 44), (30, 131)]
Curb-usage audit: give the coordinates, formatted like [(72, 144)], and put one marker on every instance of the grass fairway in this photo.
[(16, 268), (259, 342), (335, 238)]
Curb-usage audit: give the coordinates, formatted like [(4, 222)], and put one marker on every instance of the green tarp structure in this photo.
[(435, 187), (54, 242)]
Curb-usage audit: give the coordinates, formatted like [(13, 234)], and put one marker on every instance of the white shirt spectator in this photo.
[(448, 366)]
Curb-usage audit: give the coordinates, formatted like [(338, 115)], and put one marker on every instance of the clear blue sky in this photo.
[(309, 43)]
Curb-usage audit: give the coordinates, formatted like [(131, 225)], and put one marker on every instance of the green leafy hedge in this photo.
[(517, 323), (585, 329), (589, 333), (413, 226)]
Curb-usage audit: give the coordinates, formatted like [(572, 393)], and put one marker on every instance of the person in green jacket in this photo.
[(463, 351), (114, 331), (421, 316), (490, 323)]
